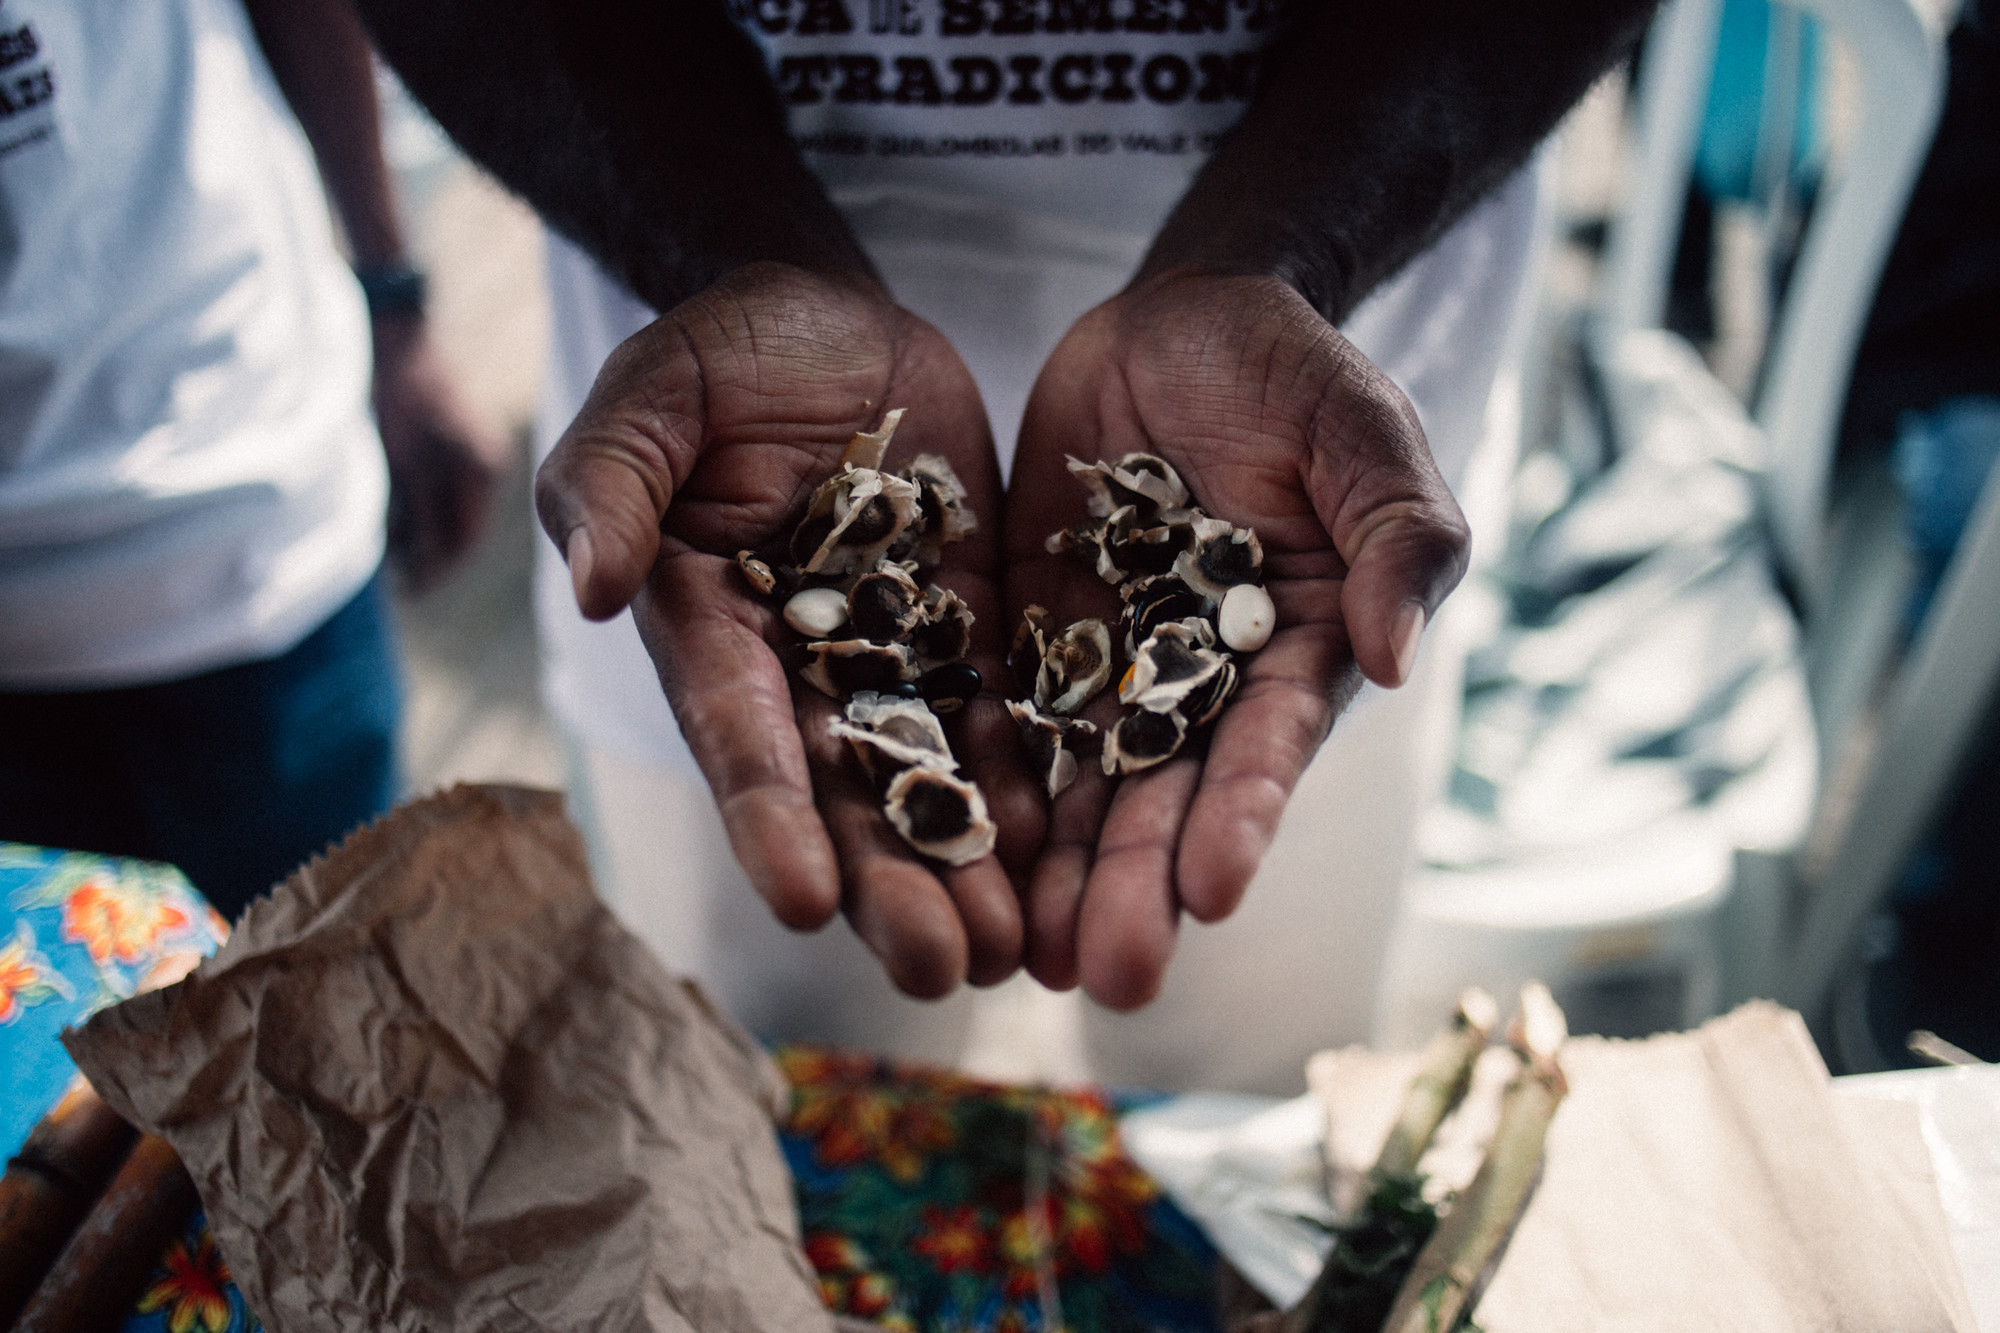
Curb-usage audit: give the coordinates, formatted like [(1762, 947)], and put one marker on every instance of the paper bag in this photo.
[(431, 1083)]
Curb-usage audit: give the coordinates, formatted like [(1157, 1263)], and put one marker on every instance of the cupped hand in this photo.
[(707, 433), (1276, 423), (444, 465)]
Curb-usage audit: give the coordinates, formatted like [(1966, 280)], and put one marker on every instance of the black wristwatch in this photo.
[(392, 290)]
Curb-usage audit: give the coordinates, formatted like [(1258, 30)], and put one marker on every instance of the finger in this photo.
[(730, 694), (1055, 887), (896, 905), (1127, 920), (1390, 514), (605, 487)]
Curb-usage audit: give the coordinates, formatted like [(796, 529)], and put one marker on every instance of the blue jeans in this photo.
[(236, 775)]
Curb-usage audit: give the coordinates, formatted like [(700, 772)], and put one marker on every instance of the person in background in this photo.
[(197, 453)]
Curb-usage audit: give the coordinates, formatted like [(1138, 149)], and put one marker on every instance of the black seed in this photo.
[(958, 681), (1229, 561), (1147, 735), (881, 672), (1173, 660), (880, 608), (942, 639), (810, 534), (872, 524), (902, 689)]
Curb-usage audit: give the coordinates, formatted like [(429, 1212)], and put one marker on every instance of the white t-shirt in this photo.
[(189, 473), (1006, 163)]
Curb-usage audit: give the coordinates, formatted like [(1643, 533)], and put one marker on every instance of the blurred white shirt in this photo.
[(189, 472)]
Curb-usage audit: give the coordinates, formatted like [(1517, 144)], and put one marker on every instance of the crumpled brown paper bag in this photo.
[(432, 1083)]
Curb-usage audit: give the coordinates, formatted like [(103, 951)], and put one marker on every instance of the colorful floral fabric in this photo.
[(935, 1202), (78, 932), (190, 1291)]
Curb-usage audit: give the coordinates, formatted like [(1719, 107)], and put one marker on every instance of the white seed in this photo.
[(1246, 619), (817, 612)]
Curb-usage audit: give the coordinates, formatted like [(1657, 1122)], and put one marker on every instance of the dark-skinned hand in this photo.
[(1276, 423), (707, 433), (443, 465)]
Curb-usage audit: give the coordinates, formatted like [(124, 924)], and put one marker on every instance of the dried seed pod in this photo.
[(1047, 738), (1098, 540), (867, 447), (1140, 740), (942, 517), (884, 606), (1169, 668), (854, 518), (1075, 667), (1222, 557), (756, 573), (1152, 602), (1031, 644), (816, 612), (1204, 703), (1148, 484), (1144, 552), (945, 632), (852, 665), (1246, 618), (891, 734), (941, 815)]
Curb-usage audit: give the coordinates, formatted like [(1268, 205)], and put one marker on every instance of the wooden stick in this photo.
[(1440, 1282), (103, 1270), (50, 1185), (1443, 1075), (1444, 1072)]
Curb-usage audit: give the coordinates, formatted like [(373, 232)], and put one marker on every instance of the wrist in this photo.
[(393, 290)]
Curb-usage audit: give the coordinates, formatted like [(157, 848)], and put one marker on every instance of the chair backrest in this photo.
[(1898, 48)]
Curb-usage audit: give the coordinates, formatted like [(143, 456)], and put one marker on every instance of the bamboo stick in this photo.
[(102, 1271), (50, 1185), (1443, 1075), (1435, 1293), (1444, 1072)]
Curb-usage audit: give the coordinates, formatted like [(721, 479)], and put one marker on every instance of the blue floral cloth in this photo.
[(79, 932)]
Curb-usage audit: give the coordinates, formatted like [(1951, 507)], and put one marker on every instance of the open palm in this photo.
[(705, 434), (1278, 424)]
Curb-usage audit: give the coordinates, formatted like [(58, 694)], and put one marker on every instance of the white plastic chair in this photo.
[(1705, 930)]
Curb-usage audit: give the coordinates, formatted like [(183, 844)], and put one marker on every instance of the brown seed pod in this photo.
[(1169, 668), (1142, 739), (940, 815), (1097, 540), (1222, 556), (1148, 484), (1047, 738), (846, 668), (891, 734), (1076, 665), (942, 517), (885, 605), (868, 447), (854, 518), (945, 632), (1152, 602), (1031, 644)]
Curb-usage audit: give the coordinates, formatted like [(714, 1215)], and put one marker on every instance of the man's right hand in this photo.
[(706, 433)]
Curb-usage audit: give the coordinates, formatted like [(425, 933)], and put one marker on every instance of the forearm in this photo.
[(319, 54), (651, 135), (1377, 126)]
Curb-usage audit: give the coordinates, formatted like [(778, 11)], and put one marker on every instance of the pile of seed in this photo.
[(885, 641), (1193, 601)]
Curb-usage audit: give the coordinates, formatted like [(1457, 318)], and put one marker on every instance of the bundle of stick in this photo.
[(1401, 1264)]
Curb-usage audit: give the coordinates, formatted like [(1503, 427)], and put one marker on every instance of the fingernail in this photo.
[(580, 558), (1403, 638)]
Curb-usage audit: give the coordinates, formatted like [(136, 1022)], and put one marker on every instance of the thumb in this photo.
[(1391, 516), (604, 489)]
